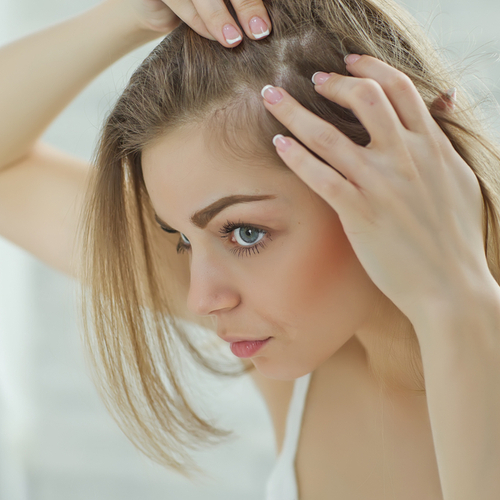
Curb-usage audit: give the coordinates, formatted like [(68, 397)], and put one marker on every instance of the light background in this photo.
[(56, 439)]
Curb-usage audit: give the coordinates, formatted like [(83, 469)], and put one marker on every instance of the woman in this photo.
[(333, 231)]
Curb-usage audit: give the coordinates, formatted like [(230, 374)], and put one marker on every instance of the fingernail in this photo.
[(231, 34), (258, 27), (271, 95), (452, 94), (351, 58), (319, 77), (280, 142)]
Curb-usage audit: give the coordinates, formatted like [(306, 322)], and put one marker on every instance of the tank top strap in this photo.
[(282, 482), (294, 417)]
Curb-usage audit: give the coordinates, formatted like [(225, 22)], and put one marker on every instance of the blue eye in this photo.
[(248, 238), (248, 235)]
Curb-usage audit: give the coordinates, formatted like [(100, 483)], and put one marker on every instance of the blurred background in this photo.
[(56, 439)]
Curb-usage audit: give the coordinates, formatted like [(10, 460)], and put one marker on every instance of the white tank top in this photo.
[(282, 482)]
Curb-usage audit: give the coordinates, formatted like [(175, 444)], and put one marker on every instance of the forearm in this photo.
[(41, 74), (461, 359)]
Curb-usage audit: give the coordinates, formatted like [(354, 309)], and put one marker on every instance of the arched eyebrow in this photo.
[(202, 217)]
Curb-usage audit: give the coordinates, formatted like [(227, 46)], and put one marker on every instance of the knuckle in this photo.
[(219, 16), (301, 156), (400, 83), (331, 187), (289, 114), (324, 139), (366, 89), (334, 86), (197, 21), (247, 6)]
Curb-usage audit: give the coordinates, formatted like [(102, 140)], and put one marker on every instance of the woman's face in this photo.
[(291, 275)]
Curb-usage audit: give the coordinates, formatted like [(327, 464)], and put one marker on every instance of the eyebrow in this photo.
[(202, 217)]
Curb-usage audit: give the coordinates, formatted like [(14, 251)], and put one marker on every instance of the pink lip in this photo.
[(247, 348), (234, 339)]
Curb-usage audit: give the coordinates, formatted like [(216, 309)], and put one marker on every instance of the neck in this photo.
[(392, 349)]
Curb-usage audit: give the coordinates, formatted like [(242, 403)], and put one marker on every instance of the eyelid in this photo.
[(181, 243), (226, 230), (168, 230)]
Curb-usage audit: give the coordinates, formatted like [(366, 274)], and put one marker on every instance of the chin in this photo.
[(279, 371)]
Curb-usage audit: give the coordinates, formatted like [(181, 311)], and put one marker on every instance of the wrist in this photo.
[(461, 308), (120, 17)]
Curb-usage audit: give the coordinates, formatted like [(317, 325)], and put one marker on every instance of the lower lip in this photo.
[(247, 349)]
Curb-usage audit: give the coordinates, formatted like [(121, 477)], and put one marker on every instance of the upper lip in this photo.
[(235, 339)]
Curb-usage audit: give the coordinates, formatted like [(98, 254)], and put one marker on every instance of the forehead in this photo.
[(189, 162)]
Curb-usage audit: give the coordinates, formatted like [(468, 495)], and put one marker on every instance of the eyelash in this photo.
[(226, 231)]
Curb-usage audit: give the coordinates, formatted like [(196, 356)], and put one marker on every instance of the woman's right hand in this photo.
[(154, 15), (209, 18)]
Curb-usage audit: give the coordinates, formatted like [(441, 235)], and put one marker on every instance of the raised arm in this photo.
[(43, 72), (41, 188)]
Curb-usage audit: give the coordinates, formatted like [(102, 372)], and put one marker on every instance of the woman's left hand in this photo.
[(410, 206)]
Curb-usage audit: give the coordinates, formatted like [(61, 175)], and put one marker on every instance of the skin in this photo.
[(209, 19), (415, 175), (306, 288), (312, 288), (399, 204), (400, 198)]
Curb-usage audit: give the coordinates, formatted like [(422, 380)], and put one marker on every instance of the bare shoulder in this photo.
[(277, 395)]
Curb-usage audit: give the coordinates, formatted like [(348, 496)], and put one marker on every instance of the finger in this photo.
[(253, 17), (445, 102), (328, 183), (185, 10), (315, 133), (366, 98), (399, 89), (219, 21)]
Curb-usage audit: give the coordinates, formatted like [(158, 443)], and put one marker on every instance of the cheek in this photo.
[(311, 277), (321, 270)]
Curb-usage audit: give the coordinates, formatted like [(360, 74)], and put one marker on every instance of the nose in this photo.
[(211, 289)]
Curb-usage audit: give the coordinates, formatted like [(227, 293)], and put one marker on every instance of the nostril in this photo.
[(210, 298)]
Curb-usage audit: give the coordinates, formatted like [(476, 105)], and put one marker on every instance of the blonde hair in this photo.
[(134, 335)]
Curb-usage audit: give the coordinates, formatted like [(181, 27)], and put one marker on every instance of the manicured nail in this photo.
[(452, 94), (231, 34), (319, 77), (280, 142), (351, 58), (271, 95), (258, 27)]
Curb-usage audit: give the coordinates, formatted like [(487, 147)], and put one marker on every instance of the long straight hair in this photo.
[(133, 333)]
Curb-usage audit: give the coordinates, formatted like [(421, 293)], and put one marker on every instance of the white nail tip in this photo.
[(260, 35), (312, 77), (264, 89), (277, 136), (452, 94), (233, 40)]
